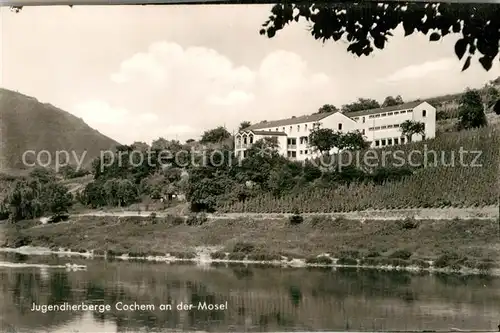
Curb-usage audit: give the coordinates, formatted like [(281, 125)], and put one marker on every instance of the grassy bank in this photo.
[(451, 244)]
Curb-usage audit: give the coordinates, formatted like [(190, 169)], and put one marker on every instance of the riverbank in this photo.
[(447, 245)]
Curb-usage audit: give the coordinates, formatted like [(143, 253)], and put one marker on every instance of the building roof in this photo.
[(290, 121), (268, 133), (404, 106)]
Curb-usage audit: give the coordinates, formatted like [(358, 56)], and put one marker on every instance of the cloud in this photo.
[(187, 90), (422, 70), (233, 98), (100, 112)]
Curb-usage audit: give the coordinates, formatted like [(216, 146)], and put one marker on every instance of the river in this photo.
[(258, 298)]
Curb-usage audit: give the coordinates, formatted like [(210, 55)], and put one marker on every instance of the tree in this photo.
[(391, 101), (323, 139), (216, 135), (471, 110), (57, 200), (360, 105), (244, 124), (410, 127), (352, 141), (368, 25), (490, 95), (326, 108)]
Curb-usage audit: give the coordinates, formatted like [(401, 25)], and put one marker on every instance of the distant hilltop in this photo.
[(26, 124)]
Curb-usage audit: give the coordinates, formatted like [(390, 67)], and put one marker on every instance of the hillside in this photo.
[(26, 124)]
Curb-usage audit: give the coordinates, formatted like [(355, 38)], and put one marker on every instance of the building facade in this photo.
[(380, 127)]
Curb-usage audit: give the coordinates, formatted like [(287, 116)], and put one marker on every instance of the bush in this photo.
[(420, 263), (396, 262), (448, 260), (373, 254), (263, 257), (485, 266), (401, 254), (183, 255), (409, 224), (237, 256), (347, 261), (321, 260), (196, 219), (296, 218), (243, 247), (218, 255)]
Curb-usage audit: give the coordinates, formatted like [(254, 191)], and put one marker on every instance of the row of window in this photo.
[(391, 141), (387, 114)]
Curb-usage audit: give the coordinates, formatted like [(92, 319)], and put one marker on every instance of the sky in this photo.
[(137, 73)]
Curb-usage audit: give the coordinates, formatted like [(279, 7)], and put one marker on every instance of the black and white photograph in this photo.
[(264, 167)]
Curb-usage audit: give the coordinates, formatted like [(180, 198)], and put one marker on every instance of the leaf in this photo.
[(434, 37), (460, 47), (486, 62), (456, 27), (467, 63), (271, 33), (379, 42), (262, 31)]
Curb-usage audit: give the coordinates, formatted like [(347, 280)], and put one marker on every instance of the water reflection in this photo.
[(259, 299)]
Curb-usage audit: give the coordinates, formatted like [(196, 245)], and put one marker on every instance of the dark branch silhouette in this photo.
[(369, 25)]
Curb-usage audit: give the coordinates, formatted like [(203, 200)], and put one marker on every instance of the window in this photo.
[(269, 130), (396, 112), (245, 140), (370, 128), (402, 140), (363, 131), (377, 143), (402, 112), (276, 129), (424, 113), (291, 129), (300, 152), (383, 142), (370, 116), (377, 116), (294, 153), (383, 114), (389, 142), (409, 111), (305, 126), (305, 152), (292, 141), (396, 141), (376, 128), (423, 136), (383, 127), (363, 120), (389, 126), (340, 127), (389, 113), (251, 138), (283, 129)]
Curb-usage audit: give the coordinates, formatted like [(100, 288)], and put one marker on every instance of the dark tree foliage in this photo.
[(327, 108), (360, 105), (471, 111), (369, 25)]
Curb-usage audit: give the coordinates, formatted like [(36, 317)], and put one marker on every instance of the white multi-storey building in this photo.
[(380, 127)]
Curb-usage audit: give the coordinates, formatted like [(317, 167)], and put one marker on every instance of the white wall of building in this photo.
[(383, 128)]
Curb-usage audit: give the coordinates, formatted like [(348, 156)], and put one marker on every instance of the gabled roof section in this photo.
[(268, 133), (404, 106), (290, 121)]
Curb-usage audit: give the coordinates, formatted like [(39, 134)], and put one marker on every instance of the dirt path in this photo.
[(484, 213)]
